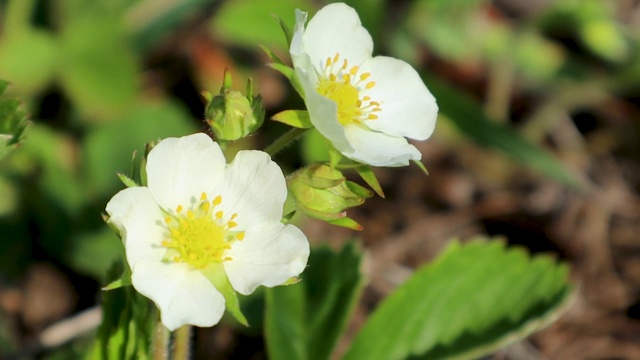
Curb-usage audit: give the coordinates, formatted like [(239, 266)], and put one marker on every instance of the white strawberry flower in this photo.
[(200, 222), (364, 105)]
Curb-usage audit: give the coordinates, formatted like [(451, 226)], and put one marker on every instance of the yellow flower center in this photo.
[(199, 236), (344, 86)]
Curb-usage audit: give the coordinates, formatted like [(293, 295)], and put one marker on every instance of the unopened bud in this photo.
[(232, 115), (322, 192)]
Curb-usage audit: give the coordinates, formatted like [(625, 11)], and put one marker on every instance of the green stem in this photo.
[(160, 341), (182, 343), (284, 140)]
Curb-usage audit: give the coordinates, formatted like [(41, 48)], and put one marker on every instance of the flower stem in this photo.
[(284, 140), (182, 343), (160, 345)]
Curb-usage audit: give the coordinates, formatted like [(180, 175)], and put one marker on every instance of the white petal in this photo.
[(184, 296), (324, 116), (180, 169), (408, 108), (254, 188), (379, 149), (268, 257), (323, 112), (336, 28), (140, 221)]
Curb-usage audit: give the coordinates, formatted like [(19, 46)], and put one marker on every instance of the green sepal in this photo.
[(295, 118), (291, 281), (334, 155), (127, 181), (218, 277), (321, 215), (421, 166), (272, 56), (124, 280), (346, 222), (359, 189), (288, 34), (284, 69), (322, 183), (369, 177), (290, 74), (288, 217)]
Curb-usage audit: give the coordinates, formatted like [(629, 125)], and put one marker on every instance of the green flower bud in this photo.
[(232, 115), (322, 192)]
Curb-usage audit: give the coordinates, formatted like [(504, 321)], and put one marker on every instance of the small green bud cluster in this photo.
[(232, 115)]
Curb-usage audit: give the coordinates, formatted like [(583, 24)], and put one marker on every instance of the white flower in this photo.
[(200, 219), (364, 105)]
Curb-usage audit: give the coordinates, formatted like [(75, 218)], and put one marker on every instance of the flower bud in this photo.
[(323, 193), (232, 115)]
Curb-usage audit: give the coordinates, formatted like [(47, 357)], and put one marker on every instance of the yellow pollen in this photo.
[(199, 236), (344, 87)]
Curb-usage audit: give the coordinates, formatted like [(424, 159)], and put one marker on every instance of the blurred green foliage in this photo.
[(86, 74)]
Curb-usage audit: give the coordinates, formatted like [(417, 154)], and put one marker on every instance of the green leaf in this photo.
[(468, 116), (12, 122), (369, 177), (305, 320), (473, 299), (295, 118)]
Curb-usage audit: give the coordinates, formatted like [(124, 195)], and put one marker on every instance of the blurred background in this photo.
[(537, 141)]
